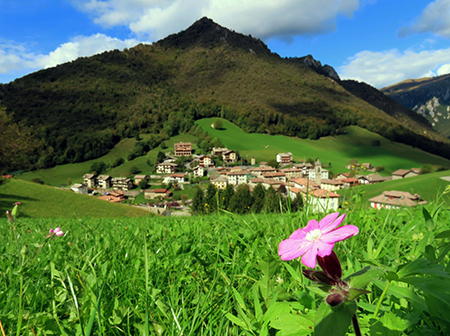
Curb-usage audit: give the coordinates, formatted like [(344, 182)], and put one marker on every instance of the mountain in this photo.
[(428, 97), (81, 109)]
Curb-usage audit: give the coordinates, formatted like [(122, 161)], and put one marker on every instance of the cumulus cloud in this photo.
[(389, 67), (261, 18), (434, 19), (16, 57)]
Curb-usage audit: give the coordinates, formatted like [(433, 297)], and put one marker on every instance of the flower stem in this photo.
[(356, 325), (381, 299)]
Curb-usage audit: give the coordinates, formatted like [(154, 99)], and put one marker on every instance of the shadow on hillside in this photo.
[(7, 201)]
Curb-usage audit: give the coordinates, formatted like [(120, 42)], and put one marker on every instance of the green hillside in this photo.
[(82, 109), (429, 186), (40, 201), (339, 150)]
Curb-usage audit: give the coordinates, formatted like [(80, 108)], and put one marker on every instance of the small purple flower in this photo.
[(58, 232), (17, 203)]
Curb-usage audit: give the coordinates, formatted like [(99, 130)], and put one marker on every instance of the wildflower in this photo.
[(316, 239), (10, 217), (58, 232)]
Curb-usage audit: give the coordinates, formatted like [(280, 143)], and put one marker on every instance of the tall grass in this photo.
[(206, 275)]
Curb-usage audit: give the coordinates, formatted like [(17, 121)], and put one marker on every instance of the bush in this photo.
[(37, 180), (134, 170)]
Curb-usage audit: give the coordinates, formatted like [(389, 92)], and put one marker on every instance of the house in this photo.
[(90, 180), (266, 183), (206, 161), (183, 149), (284, 158), (154, 193), (79, 188), (301, 182), (122, 183), (275, 176), (331, 185), (166, 168), (259, 171), (342, 176), (324, 174), (403, 173), (139, 178), (237, 177), (104, 181), (319, 200), (229, 156), (367, 166), (199, 171), (114, 197), (395, 199), (371, 179), (349, 182), (220, 182), (417, 171), (178, 178), (305, 167), (292, 172), (218, 151)]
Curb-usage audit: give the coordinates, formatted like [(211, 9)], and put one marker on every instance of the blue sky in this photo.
[(380, 42)]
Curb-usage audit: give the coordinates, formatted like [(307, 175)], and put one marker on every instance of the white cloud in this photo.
[(262, 18), (16, 57), (389, 67), (435, 19)]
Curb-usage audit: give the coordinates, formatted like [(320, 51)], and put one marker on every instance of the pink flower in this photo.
[(316, 239), (56, 231)]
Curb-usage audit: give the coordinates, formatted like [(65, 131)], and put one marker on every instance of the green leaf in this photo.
[(236, 321), (292, 271), (292, 325), (269, 266), (334, 321), (419, 267), (365, 276), (355, 292), (403, 293), (443, 234)]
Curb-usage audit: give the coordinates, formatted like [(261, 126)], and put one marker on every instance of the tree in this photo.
[(273, 163), (242, 200), (272, 201), (218, 125), (99, 167), (160, 157), (16, 143), (227, 194), (117, 162), (143, 184), (164, 145), (297, 203), (198, 204), (259, 195), (134, 170), (210, 199)]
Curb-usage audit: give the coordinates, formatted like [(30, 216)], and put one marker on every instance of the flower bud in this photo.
[(335, 299), (331, 266)]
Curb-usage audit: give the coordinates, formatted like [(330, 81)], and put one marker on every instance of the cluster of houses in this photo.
[(309, 181)]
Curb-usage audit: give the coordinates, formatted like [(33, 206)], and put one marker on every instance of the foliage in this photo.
[(273, 163), (218, 124), (117, 162), (99, 167), (221, 274), (143, 184), (198, 202), (134, 170)]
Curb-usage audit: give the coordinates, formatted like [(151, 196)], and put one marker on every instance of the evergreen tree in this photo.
[(227, 194), (297, 203), (198, 203), (242, 200), (259, 198), (210, 199), (272, 201)]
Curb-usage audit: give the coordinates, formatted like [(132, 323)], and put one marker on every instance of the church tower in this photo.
[(318, 171)]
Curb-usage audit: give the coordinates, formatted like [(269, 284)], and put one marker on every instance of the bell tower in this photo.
[(318, 171)]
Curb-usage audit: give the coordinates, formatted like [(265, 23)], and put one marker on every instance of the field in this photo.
[(220, 275), (338, 150), (73, 173), (428, 186), (40, 201)]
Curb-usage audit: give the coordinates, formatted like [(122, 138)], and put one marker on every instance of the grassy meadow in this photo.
[(428, 186), (339, 150), (219, 275), (40, 201)]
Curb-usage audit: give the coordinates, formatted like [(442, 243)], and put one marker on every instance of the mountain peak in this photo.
[(206, 33)]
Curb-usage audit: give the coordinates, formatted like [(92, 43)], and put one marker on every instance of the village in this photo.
[(309, 180)]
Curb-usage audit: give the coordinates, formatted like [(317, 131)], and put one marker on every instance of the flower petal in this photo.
[(312, 225), (292, 248), (331, 225), (339, 234), (324, 249), (298, 234), (309, 258)]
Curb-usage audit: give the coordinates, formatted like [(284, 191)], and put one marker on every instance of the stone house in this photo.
[(199, 171), (183, 149), (331, 185), (395, 200), (139, 178), (166, 168), (229, 156), (79, 188), (90, 180), (122, 183), (292, 172), (178, 178), (154, 193), (275, 176), (403, 173), (104, 181)]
